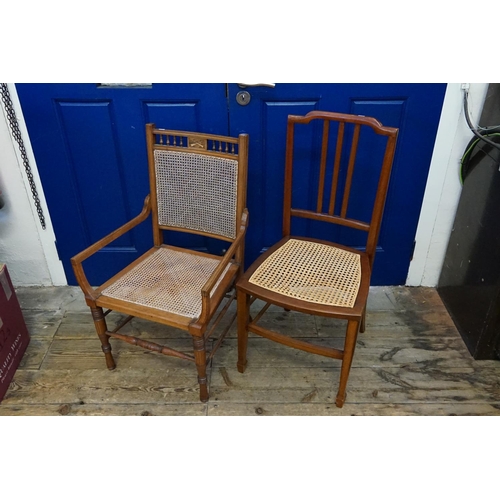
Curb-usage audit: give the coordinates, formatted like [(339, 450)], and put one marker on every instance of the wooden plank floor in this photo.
[(410, 361)]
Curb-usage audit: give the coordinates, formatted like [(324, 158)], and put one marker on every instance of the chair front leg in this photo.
[(243, 303), (101, 329), (200, 357), (349, 345)]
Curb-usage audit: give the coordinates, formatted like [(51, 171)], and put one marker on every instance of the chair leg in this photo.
[(243, 301), (350, 344), (363, 322), (101, 329), (200, 356)]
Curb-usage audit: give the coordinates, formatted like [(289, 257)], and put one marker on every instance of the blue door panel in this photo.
[(371, 147), (95, 163), (268, 206), (90, 148), (185, 114), (414, 108)]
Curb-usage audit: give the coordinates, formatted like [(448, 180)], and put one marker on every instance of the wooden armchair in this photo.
[(315, 276), (197, 185)]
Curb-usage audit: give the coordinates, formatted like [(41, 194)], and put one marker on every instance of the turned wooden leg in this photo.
[(349, 345), (243, 314), (200, 357), (363, 321), (101, 329)]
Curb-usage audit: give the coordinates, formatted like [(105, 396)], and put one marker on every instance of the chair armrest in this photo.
[(77, 260), (207, 288)]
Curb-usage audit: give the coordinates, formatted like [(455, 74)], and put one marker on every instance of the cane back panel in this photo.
[(196, 180)]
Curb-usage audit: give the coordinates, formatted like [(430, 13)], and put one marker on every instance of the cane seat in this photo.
[(167, 280), (311, 271)]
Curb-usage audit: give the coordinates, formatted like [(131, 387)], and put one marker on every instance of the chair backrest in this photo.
[(349, 129), (197, 181)]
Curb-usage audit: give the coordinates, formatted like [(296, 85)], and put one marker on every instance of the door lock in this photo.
[(243, 98)]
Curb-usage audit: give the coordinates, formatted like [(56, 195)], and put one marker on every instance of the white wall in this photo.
[(27, 249), (443, 184), (32, 258)]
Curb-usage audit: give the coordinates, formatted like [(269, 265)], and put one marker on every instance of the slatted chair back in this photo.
[(332, 201), (198, 182)]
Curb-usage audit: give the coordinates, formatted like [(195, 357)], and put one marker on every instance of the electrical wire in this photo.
[(482, 143), (492, 128), (473, 129), (489, 129), (465, 161)]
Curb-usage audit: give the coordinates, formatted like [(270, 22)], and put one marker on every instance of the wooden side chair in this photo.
[(197, 185), (314, 276)]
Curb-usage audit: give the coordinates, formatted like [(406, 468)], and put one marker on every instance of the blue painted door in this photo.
[(414, 108), (90, 149)]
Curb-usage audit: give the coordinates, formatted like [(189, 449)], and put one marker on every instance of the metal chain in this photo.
[(16, 133)]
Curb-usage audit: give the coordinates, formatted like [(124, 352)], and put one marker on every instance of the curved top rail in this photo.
[(342, 117)]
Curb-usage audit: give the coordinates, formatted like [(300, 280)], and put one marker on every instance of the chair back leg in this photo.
[(243, 317), (350, 344), (362, 326), (101, 329)]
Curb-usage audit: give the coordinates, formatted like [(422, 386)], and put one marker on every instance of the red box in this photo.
[(14, 336)]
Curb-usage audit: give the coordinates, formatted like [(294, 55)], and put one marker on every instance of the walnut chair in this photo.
[(310, 275), (198, 186)]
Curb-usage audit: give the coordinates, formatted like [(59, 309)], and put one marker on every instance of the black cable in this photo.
[(475, 152), (481, 148)]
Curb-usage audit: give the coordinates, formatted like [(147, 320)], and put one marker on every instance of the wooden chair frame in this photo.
[(247, 291), (212, 293)]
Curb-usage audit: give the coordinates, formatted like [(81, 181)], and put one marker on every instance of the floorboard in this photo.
[(411, 361)]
